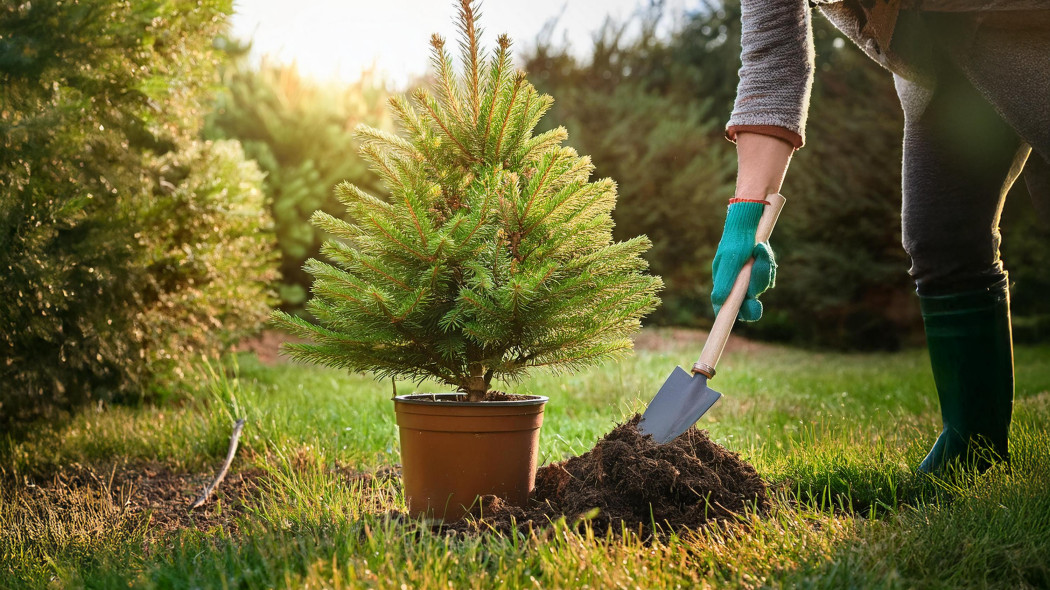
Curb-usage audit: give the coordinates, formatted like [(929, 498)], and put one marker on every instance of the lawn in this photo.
[(100, 499)]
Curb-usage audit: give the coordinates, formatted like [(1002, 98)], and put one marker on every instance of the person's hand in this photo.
[(762, 161), (734, 250)]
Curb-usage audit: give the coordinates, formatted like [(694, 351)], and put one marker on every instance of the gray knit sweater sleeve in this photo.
[(776, 71)]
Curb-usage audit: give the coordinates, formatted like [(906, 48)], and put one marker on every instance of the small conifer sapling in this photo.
[(494, 253)]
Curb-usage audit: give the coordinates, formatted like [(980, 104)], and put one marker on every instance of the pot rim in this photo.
[(426, 399)]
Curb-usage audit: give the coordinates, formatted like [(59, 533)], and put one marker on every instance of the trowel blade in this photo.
[(682, 400)]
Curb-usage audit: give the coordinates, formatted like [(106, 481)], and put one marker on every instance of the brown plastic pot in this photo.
[(453, 451)]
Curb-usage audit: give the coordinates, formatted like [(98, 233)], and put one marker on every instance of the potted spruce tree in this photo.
[(492, 256)]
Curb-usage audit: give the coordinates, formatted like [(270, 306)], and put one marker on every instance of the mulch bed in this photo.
[(627, 481)]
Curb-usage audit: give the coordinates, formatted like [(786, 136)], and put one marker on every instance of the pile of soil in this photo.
[(633, 483)]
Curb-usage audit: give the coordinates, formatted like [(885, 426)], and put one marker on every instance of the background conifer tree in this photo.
[(300, 132), (494, 252)]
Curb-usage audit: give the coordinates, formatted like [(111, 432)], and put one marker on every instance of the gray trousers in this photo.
[(977, 117)]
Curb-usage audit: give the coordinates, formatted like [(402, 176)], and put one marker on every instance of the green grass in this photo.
[(836, 434)]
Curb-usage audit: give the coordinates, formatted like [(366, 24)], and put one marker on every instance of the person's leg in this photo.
[(1005, 55), (968, 337), (960, 159)]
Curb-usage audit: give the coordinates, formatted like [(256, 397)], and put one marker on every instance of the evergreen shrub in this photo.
[(208, 255), (114, 220)]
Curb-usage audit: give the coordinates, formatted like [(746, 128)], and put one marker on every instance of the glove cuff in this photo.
[(743, 216)]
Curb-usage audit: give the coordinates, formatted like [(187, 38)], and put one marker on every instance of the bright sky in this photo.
[(340, 38)]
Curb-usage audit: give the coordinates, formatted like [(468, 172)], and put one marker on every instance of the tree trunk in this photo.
[(476, 385)]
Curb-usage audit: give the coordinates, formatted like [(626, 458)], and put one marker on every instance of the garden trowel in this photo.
[(685, 396)]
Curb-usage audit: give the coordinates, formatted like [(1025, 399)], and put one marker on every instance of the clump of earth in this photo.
[(628, 481)]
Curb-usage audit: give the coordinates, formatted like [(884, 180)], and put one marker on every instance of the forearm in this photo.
[(762, 162)]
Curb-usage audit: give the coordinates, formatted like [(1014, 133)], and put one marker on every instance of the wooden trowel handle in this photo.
[(716, 340)]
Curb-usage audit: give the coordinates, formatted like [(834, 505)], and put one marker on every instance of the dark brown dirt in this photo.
[(499, 396), (490, 396), (625, 482), (629, 481), (267, 346), (129, 496), (131, 493)]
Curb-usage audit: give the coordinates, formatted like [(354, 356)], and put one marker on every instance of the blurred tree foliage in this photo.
[(651, 111), (301, 134), (127, 245), (1026, 255), (209, 254)]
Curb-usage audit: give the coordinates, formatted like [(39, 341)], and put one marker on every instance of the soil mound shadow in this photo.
[(629, 481)]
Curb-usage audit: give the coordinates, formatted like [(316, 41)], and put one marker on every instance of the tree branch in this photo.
[(234, 439)]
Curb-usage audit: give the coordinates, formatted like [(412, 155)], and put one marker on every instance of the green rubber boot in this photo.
[(971, 351)]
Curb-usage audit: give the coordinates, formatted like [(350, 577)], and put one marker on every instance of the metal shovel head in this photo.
[(682, 400)]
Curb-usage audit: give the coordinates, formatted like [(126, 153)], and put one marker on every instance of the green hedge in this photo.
[(124, 241), (209, 255)]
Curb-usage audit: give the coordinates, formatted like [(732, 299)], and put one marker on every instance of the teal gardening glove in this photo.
[(734, 250)]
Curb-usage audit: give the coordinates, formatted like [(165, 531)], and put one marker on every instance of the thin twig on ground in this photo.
[(234, 439)]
